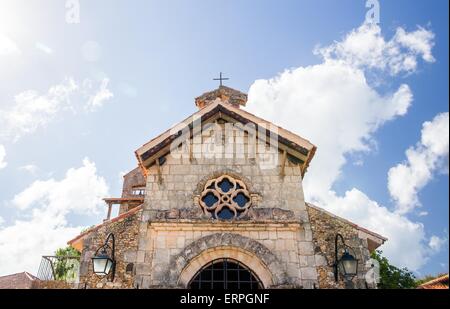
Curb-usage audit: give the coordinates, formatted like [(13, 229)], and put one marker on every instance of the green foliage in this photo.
[(67, 251), (66, 265), (392, 277)]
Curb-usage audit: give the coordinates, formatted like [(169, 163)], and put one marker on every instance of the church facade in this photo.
[(217, 202)]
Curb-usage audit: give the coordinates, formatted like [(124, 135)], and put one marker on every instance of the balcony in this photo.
[(58, 272)]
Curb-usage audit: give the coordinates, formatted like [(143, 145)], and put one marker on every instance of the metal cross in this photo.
[(221, 78)]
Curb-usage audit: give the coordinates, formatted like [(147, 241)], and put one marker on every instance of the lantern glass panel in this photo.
[(109, 265), (102, 264), (348, 265)]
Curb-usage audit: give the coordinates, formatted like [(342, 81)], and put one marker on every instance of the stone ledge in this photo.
[(260, 226), (194, 213)]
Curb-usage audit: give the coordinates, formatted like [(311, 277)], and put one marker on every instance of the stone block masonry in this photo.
[(324, 229), (126, 231), (282, 240)]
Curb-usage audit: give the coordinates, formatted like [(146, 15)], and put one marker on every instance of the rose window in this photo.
[(225, 198)]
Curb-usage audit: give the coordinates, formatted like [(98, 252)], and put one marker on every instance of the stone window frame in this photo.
[(226, 199)]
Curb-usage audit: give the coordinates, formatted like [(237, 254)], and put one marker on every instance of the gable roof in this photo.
[(435, 284), (23, 280), (77, 242), (295, 145), (374, 239)]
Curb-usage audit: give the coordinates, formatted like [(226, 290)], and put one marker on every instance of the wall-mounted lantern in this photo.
[(346, 264), (104, 262)]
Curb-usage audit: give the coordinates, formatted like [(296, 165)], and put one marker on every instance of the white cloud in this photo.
[(430, 155), (8, 46), (423, 213), (44, 48), (436, 243), (30, 168), (23, 243), (435, 135), (31, 110), (366, 47), (419, 42), (406, 239), (47, 205), (102, 95), (339, 111), (2, 156), (77, 192), (336, 109)]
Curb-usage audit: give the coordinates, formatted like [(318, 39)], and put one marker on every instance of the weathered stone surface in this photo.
[(306, 248), (195, 213), (224, 93), (172, 235), (126, 233), (180, 261), (324, 229), (52, 284), (130, 256)]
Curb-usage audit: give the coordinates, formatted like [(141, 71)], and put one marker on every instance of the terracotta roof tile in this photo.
[(436, 284), (95, 228), (22, 280)]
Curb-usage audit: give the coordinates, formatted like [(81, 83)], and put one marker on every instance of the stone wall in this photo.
[(324, 227), (178, 180), (132, 179), (175, 248), (52, 284), (172, 220), (126, 233), (284, 244)]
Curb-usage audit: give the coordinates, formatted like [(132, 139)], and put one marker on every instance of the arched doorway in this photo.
[(249, 252), (225, 274)]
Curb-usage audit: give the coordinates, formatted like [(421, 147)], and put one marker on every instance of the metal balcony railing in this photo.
[(59, 268)]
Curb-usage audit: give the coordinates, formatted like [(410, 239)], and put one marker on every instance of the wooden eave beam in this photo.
[(305, 165), (165, 149)]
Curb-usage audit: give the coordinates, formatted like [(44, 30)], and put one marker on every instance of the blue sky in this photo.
[(137, 66)]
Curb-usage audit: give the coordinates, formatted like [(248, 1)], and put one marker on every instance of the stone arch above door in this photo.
[(230, 252), (253, 254)]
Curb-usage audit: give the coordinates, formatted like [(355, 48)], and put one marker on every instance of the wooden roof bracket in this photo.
[(283, 164), (191, 146), (308, 160), (141, 165)]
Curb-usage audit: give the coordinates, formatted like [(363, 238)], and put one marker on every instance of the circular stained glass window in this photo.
[(225, 198)]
